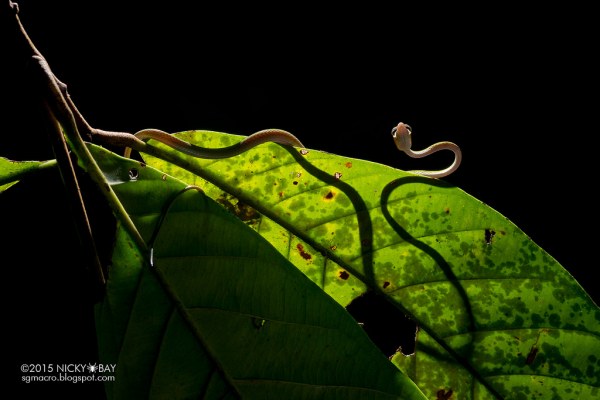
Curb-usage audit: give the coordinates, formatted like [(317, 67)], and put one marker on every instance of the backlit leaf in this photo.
[(12, 171), (477, 286)]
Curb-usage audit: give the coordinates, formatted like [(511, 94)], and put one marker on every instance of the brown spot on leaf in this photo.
[(344, 275), (329, 195), (303, 253), (295, 182), (333, 247), (229, 206), (245, 212), (280, 194), (348, 164), (386, 284), (447, 210), (236, 207)]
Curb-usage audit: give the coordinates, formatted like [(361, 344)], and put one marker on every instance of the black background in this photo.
[(513, 87)]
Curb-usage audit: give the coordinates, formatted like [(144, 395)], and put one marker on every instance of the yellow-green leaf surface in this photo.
[(213, 311), (12, 171), (499, 309)]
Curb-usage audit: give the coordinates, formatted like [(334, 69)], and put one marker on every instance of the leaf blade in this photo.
[(457, 266), (13, 171)]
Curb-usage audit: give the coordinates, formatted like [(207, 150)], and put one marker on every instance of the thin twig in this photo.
[(65, 116), (121, 139), (82, 222), (66, 122), (69, 177)]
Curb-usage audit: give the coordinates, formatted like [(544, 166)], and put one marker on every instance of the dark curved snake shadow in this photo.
[(365, 226), (433, 253), (448, 272)]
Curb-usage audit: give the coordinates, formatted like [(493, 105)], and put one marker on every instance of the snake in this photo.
[(400, 133), (402, 138), (266, 135)]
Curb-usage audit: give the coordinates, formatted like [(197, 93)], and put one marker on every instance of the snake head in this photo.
[(401, 134)]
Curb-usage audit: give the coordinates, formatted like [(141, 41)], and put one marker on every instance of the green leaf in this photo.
[(478, 287), (12, 171), (220, 313), (533, 372), (319, 267)]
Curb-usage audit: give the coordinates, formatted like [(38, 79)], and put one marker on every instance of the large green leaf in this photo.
[(500, 310), (220, 313)]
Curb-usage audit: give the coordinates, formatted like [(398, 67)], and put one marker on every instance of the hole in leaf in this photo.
[(258, 323), (489, 235), (385, 325), (133, 174), (442, 394)]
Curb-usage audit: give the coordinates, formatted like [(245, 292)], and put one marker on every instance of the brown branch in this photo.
[(58, 113), (83, 226), (68, 124), (109, 138)]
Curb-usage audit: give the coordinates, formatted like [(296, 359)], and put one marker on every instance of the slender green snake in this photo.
[(260, 137), (402, 138)]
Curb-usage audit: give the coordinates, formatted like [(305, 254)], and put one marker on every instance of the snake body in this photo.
[(260, 137), (402, 138), (401, 134)]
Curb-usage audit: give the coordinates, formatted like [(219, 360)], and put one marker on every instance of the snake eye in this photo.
[(408, 128)]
